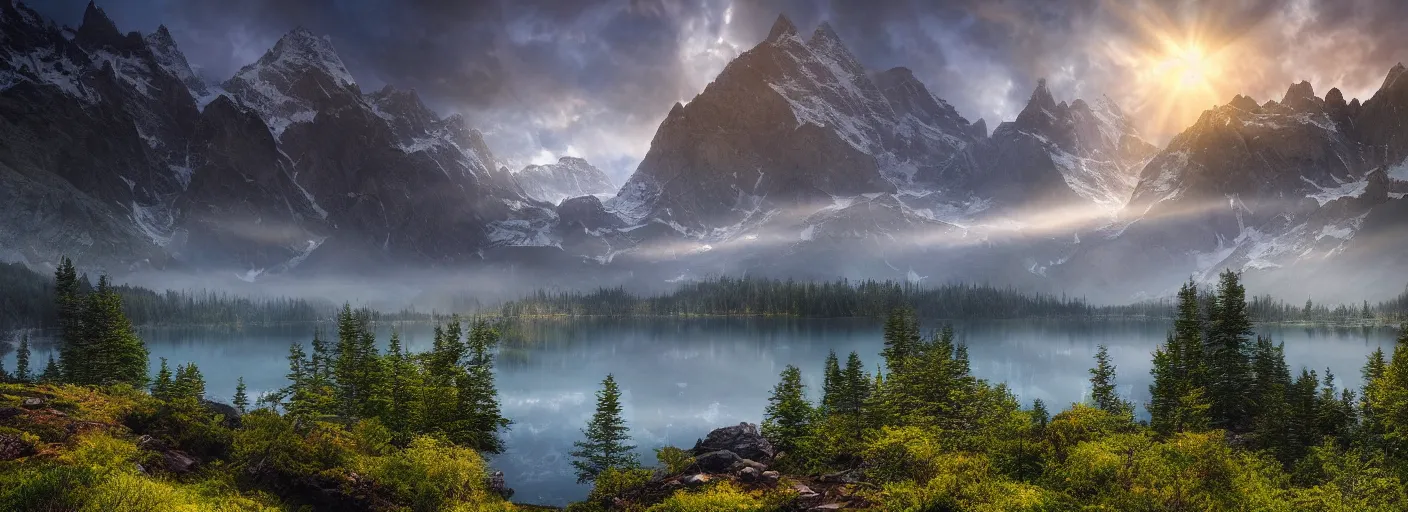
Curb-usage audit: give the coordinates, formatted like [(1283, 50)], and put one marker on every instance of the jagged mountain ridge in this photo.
[(1276, 190), (256, 173), (794, 157), (567, 178)]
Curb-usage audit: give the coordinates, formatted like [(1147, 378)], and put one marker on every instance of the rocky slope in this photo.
[(569, 177), (1274, 189), (117, 154)]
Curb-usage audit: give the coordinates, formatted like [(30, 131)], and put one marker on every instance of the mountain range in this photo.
[(795, 161)]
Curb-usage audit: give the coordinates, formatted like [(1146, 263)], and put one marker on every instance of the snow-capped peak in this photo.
[(290, 82), (300, 48), (781, 28), (170, 58)]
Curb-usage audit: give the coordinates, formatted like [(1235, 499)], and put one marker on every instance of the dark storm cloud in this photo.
[(546, 78)]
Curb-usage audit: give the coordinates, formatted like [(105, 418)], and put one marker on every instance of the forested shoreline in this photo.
[(25, 303), (1231, 427), (725, 296)]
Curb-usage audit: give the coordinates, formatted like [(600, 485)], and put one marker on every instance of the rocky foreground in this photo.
[(740, 456)]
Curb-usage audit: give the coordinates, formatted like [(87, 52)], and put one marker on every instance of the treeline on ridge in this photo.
[(24, 302), (771, 297)]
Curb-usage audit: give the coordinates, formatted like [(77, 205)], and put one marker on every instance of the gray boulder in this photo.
[(716, 461), (742, 439)]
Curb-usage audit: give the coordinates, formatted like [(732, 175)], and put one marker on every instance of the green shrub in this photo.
[(42, 486), (673, 460), (616, 482), (903, 453), (372, 437), (431, 475), (723, 496)]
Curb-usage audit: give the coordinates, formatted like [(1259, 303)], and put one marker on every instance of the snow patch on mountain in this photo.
[(1328, 194), (42, 66), (1399, 172), (298, 57), (569, 177)]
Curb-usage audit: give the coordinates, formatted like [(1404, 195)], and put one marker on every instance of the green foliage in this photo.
[(430, 475), (1103, 392), (674, 460), (617, 482), (1228, 365), (241, 398), (606, 437), (768, 297), (788, 416), (723, 496), (22, 372)]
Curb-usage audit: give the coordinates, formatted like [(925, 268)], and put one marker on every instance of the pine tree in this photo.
[(398, 385), (241, 399), (1304, 430), (606, 437), (480, 418), (1229, 371), (1334, 415), (1103, 391), (320, 365), (788, 416), (856, 386), (189, 384), (161, 386), (901, 338), (74, 353), (1371, 427), (1388, 400), (22, 360), (1271, 414), (51, 374), (112, 352), (831, 385), (1040, 416)]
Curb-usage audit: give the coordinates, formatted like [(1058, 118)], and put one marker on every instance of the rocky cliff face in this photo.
[(569, 177), (1053, 155), (1256, 188), (158, 168)]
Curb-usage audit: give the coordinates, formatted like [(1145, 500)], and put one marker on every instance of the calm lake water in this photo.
[(682, 378)]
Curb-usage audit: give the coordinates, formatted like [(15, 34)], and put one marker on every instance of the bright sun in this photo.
[(1187, 67), (1179, 64)]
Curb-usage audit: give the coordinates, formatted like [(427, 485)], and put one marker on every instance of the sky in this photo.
[(594, 78)]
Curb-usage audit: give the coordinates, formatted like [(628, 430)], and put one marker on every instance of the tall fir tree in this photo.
[(480, 420), (831, 384), (856, 386), (1388, 401), (901, 338), (1228, 365), (113, 353), (398, 386), (606, 437), (788, 416), (1371, 426), (241, 398), (51, 374), (1104, 393), (73, 345), (1040, 416), (189, 384), (22, 372), (1270, 387), (161, 385), (1303, 429), (1335, 414)]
